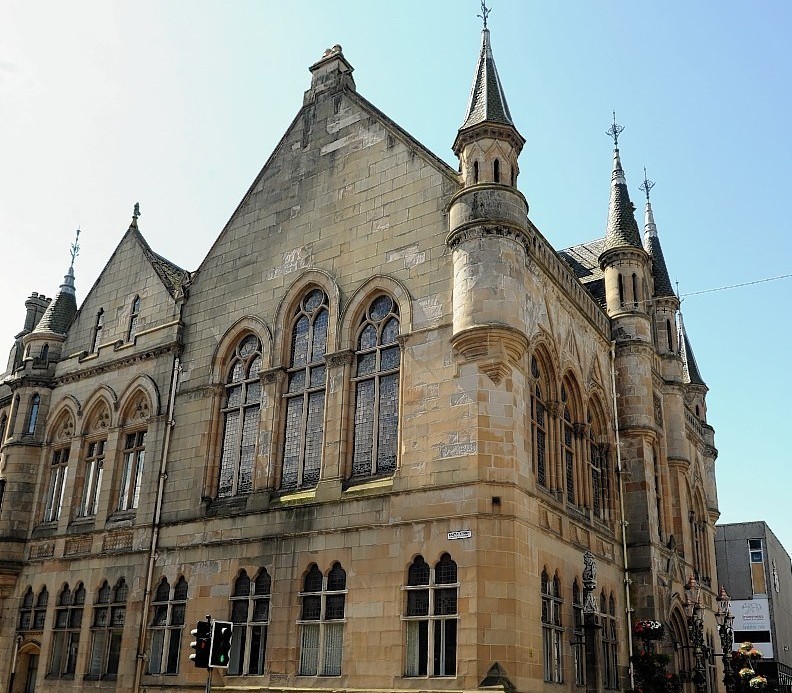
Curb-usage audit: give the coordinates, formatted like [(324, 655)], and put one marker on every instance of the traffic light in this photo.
[(201, 644), (220, 651)]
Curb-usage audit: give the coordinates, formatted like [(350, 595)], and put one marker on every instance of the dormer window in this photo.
[(133, 318), (97, 331)]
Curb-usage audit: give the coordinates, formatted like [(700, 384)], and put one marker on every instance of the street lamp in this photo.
[(725, 618), (695, 625)]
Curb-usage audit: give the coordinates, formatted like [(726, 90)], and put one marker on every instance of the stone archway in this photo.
[(27, 665)]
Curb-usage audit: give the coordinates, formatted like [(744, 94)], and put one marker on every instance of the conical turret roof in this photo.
[(662, 282), (487, 102), (622, 229), (690, 370), (61, 311)]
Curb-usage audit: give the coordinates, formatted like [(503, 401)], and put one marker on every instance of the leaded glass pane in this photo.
[(234, 396), (253, 394), (75, 618), (236, 372), (247, 451), (177, 615), (300, 342), (313, 580), (242, 585), (248, 345), (296, 382), (118, 615), (445, 601), (104, 594), (263, 583), (163, 591), (61, 618), (317, 376), (334, 606), (79, 595), (311, 608), (314, 437), (390, 358), (101, 617), (230, 442), (368, 338), (364, 428), (292, 443), (380, 307), (418, 603), (445, 571), (319, 336), (336, 578), (388, 423), (391, 331), (260, 610), (366, 363), (239, 610), (534, 367), (180, 591), (418, 573), (160, 615), (313, 300)]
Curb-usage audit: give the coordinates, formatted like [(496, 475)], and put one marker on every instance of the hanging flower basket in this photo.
[(649, 630), (758, 681), (746, 673)]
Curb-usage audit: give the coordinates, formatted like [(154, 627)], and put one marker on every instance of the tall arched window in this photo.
[(552, 629), (133, 318), (167, 624), (669, 336), (538, 426), (250, 603), (568, 447), (322, 621), (107, 627), (636, 295), (609, 642), (97, 331), (578, 640), (496, 170), (241, 419), (377, 361), (305, 394), (621, 290), (44, 354), (600, 471), (66, 632), (431, 615), (3, 428), (35, 403)]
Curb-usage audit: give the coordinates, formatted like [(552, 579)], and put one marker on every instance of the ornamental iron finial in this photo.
[(614, 131), (647, 185), (589, 583), (484, 12), (136, 211), (74, 249)]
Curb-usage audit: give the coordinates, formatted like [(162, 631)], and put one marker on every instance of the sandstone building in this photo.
[(376, 429)]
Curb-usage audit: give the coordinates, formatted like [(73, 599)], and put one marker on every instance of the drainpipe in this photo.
[(627, 580), (155, 530)]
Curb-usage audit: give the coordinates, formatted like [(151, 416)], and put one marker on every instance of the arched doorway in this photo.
[(27, 661)]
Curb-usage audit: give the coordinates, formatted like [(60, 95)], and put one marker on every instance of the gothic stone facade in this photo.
[(375, 429)]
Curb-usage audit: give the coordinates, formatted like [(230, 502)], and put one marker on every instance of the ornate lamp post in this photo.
[(725, 618), (695, 625), (590, 625)]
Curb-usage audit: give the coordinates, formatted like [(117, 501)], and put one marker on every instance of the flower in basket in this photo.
[(746, 673), (753, 653), (745, 648), (758, 681), (649, 630)]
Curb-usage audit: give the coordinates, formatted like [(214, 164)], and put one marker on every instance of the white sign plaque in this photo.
[(460, 534)]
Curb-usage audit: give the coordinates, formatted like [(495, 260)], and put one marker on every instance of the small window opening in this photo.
[(621, 290), (670, 336), (475, 172), (496, 170), (44, 352), (635, 290)]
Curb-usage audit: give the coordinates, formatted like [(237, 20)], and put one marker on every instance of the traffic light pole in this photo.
[(208, 680)]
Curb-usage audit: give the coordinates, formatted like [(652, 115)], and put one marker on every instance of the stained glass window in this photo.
[(241, 415), (376, 379), (305, 394)]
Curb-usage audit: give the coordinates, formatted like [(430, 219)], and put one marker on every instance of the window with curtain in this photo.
[(322, 618), (431, 617), (305, 393), (107, 627), (250, 604), (241, 414), (66, 632), (376, 382), (552, 629), (166, 626)]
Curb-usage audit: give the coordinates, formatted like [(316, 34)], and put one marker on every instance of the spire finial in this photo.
[(614, 131), (647, 185), (484, 12), (74, 248), (136, 211)]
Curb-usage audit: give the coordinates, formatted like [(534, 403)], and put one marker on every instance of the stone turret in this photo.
[(488, 229)]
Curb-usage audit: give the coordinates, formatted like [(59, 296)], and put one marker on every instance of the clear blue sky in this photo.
[(178, 104)]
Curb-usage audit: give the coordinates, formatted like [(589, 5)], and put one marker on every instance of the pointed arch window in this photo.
[(305, 395), (44, 354), (93, 471), (610, 673), (323, 599), (53, 502), (250, 604), (538, 426), (600, 472), (25, 622), (97, 331), (377, 363), (431, 617), (552, 629), (132, 471), (66, 632), (35, 404), (241, 414), (107, 627), (167, 624), (568, 447), (134, 313)]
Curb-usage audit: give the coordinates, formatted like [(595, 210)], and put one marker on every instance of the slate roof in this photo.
[(487, 102), (690, 370), (662, 282), (61, 311), (172, 276), (584, 261), (622, 229)]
